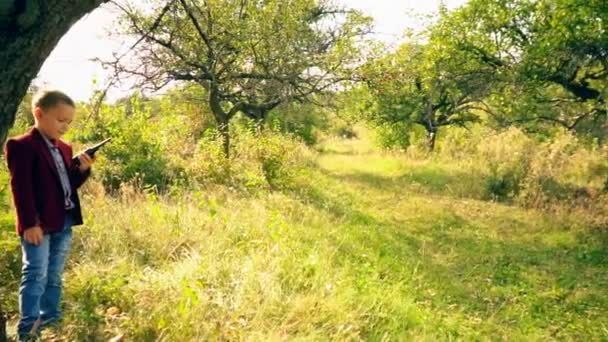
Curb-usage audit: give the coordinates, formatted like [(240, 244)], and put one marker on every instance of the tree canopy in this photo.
[(536, 64), (249, 56)]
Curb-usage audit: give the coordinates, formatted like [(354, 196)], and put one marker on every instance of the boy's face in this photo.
[(54, 121)]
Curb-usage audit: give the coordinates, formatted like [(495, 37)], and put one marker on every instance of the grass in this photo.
[(367, 246)]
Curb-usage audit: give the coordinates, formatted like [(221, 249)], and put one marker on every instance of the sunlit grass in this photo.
[(367, 245)]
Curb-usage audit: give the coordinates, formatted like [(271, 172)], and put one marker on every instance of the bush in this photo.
[(460, 143), (279, 157), (209, 164), (136, 153), (560, 170), (10, 256), (160, 145), (539, 173), (303, 121), (506, 157), (515, 167), (395, 136), (259, 159)]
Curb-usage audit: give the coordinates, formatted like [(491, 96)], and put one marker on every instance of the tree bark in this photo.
[(225, 132), (431, 137), (26, 40), (222, 118), (429, 124), (579, 89), (3, 336)]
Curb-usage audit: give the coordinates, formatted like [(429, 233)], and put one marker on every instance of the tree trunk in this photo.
[(221, 118), (429, 124), (225, 132), (431, 136), (3, 336), (259, 125), (26, 40)]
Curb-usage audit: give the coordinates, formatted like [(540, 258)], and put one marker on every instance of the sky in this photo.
[(69, 67)]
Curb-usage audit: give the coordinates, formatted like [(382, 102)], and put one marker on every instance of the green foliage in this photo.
[(563, 170), (24, 118), (519, 168), (261, 159), (208, 163), (304, 121), (281, 158), (171, 143), (507, 158), (537, 65), (10, 261), (136, 152), (550, 57), (431, 84), (395, 136)]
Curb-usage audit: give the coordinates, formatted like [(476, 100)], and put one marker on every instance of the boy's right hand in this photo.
[(33, 235)]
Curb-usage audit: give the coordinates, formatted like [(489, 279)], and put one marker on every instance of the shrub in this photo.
[(515, 166), (279, 157), (136, 152), (560, 170), (304, 121), (395, 136), (506, 157), (209, 164), (259, 159)]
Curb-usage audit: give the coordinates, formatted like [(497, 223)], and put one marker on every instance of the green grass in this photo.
[(367, 246)]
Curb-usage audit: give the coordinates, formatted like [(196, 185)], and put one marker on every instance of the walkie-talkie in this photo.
[(90, 151)]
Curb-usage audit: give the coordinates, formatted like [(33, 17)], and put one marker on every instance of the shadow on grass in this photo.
[(426, 180), (381, 233), (515, 283), (345, 152)]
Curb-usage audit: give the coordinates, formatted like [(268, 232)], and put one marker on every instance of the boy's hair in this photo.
[(46, 99)]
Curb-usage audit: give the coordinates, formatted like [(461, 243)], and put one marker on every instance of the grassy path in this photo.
[(471, 268)]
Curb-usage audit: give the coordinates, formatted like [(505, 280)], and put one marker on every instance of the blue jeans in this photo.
[(41, 282)]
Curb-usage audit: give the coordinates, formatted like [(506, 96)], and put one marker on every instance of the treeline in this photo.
[(537, 65), (235, 73)]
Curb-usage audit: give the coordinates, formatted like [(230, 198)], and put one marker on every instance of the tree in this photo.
[(249, 56), (555, 53), (29, 30), (432, 85)]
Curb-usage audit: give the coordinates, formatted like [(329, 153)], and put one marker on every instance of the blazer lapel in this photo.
[(44, 149)]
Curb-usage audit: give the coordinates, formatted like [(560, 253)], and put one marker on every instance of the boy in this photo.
[(44, 182)]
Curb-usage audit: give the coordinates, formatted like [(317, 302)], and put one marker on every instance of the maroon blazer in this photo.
[(37, 191)]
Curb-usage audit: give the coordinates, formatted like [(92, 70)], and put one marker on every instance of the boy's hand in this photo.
[(85, 162), (33, 235)]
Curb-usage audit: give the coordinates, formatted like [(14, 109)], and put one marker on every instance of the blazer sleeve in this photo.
[(77, 178), (20, 158)]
